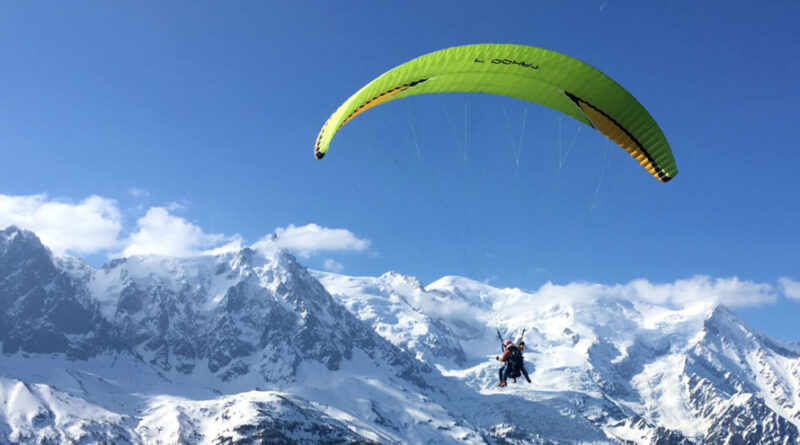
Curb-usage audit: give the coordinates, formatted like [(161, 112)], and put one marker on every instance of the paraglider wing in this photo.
[(523, 72)]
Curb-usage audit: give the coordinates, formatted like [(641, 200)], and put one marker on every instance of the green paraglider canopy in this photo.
[(523, 72)]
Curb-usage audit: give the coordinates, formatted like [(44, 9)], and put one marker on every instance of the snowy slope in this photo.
[(640, 371), (399, 309), (249, 346)]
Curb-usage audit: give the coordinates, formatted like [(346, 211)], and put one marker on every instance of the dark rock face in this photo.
[(270, 315), (42, 305), (722, 391), (751, 423)]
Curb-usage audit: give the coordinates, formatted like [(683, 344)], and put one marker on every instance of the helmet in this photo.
[(506, 343)]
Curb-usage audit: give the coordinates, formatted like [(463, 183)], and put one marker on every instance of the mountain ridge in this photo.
[(158, 350)]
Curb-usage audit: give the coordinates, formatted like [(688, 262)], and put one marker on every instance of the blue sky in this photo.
[(190, 126)]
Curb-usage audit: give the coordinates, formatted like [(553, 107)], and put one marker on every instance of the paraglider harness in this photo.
[(514, 361)]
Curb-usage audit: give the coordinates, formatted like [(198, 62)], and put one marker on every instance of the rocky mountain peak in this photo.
[(22, 251), (381, 357)]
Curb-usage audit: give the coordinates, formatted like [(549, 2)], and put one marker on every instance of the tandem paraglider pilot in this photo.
[(513, 365)]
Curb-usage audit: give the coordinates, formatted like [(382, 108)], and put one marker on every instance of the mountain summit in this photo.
[(251, 346)]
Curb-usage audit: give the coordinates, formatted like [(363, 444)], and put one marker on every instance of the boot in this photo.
[(528, 379), (502, 383)]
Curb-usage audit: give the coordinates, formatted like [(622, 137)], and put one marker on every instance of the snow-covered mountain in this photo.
[(251, 347), (638, 371)]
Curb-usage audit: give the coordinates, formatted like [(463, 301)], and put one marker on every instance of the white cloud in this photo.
[(333, 266), (701, 289), (137, 193), (312, 238), (89, 226), (790, 288), (490, 279), (162, 233), (95, 225), (176, 206), (728, 291)]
